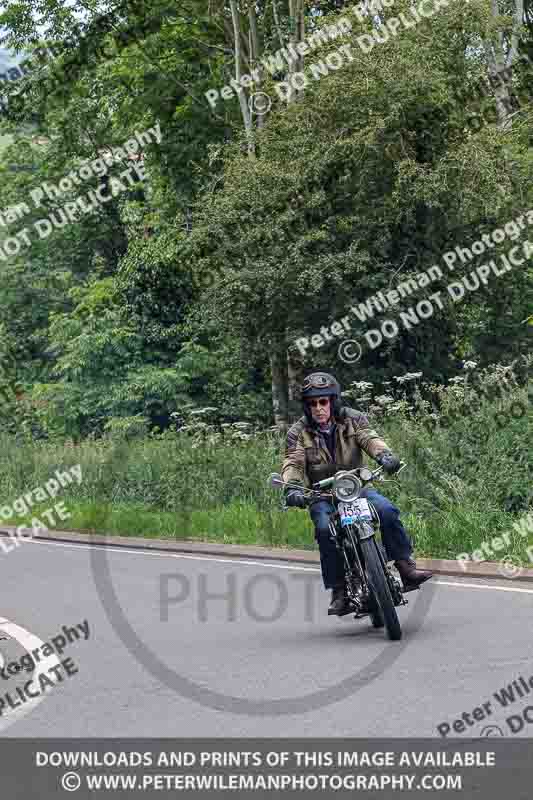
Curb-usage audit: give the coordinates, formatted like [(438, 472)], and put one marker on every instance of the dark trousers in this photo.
[(393, 535)]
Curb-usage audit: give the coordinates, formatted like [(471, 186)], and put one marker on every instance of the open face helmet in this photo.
[(320, 384)]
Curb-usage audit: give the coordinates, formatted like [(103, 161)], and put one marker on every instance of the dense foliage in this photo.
[(250, 230), (209, 479)]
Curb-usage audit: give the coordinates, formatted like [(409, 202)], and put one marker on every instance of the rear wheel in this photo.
[(379, 587)]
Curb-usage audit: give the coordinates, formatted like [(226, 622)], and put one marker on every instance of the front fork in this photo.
[(351, 570), (365, 533), (394, 584)]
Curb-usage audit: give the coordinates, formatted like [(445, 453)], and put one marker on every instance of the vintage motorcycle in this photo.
[(372, 589)]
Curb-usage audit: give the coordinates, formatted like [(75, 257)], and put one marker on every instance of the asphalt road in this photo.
[(268, 644)]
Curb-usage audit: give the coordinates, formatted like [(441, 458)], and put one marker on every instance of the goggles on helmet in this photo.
[(318, 381)]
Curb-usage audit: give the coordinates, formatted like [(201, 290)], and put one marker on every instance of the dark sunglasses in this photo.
[(321, 401)]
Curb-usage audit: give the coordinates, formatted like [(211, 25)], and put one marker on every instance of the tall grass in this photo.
[(465, 481)]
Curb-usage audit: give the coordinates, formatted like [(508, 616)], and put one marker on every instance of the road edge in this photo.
[(438, 566)]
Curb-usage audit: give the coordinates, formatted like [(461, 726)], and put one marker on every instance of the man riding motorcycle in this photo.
[(328, 438)]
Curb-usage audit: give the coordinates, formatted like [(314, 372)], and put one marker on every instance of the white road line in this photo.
[(296, 567), (485, 586), (118, 549), (29, 642)]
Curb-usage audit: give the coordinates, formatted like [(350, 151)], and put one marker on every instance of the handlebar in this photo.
[(377, 473), (319, 489)]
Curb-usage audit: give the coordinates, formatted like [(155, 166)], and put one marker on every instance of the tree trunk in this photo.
[(254, 50), (278, 368), (295, 380), (276, 21), (245, 111), (297, 35), (498, 60)]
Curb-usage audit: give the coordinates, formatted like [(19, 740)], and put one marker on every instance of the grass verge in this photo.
[(438, 535)]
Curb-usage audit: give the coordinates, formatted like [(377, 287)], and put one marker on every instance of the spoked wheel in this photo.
[(379, 589)]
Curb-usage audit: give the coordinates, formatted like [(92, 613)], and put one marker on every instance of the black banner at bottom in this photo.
[(197, 768)]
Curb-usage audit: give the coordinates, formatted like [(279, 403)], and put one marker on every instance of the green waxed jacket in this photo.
[(307, 458)]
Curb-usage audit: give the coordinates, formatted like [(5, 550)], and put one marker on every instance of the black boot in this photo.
[(340, 604), (411, 577)]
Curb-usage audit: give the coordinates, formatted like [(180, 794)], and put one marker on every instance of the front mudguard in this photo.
[(366, 531)]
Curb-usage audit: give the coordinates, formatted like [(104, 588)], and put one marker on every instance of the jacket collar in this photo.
[(338, 422)]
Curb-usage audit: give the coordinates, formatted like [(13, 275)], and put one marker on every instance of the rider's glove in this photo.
[(296, 499), (389, 461)]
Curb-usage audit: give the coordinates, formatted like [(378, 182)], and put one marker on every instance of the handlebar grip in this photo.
[(325, 484)]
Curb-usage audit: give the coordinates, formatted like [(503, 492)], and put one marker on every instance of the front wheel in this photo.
[(380, 588), (376, 617)]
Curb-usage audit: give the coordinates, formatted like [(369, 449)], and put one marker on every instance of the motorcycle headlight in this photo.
[(346, 487), (365, 474)]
